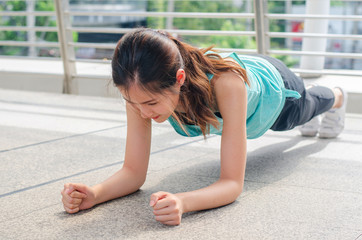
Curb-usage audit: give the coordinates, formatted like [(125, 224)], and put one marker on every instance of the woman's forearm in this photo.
[(221, 193), (122, 183)]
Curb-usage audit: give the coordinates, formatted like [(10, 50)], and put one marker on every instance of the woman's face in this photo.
[(158, 107)]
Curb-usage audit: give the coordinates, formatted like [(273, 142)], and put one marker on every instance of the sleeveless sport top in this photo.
[(266, 98)]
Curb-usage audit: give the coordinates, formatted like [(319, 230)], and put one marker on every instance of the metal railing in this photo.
[(262, 34)]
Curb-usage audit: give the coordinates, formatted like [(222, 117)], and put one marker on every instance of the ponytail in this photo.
[(197, 96)]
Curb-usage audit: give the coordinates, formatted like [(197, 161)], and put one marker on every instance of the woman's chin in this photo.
[(159, 119)]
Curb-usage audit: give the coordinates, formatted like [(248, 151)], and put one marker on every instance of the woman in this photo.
[(201, 92)]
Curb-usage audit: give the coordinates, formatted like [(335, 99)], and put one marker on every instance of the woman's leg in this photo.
[(338, 98), (313, 101)]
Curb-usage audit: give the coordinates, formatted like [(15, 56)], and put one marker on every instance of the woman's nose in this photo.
[(145, 112)]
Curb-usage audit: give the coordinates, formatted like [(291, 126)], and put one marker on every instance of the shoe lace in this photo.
[(331, 119)]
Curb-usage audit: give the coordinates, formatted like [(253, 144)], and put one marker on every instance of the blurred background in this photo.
[(65, 46), (180, 23)]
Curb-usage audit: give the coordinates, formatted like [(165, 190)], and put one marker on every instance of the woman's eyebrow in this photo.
[(148, 101)]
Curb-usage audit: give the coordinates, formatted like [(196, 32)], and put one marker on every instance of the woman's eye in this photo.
[(151, 104)]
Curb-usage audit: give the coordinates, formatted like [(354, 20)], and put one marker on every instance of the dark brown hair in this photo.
[(151, 59)]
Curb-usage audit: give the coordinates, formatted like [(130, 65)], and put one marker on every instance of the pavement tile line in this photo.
[(62, 138), (60, 115), (61, 106), (58, 179), (27, 214), (87, 171), (301, 187), (359, 237), (182, 144)]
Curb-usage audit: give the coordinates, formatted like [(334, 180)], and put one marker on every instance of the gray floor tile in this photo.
[(295, 187)]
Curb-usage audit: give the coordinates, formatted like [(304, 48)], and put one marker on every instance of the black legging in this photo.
[(313, 101)]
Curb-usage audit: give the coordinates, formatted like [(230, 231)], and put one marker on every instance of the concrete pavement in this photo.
[(295, 187)]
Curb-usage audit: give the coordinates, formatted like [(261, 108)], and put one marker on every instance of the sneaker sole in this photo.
[(327, 135), (309, 134)]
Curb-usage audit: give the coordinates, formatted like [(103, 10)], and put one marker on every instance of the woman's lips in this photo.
[(154, 118)]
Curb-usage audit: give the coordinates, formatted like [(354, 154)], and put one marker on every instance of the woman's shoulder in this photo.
[(230, 95), (227, 81), (228, 85)]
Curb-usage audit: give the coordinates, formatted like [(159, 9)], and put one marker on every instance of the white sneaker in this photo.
[(333, 120), (311, 128)]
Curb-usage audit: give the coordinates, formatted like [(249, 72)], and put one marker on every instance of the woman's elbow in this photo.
[(236, 188), (140, 180)]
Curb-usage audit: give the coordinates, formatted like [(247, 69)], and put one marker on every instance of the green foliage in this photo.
[(237, 42), (204, 23), (208, 6), (45, 5), (156, 6), (299, 2), (287, 60), (226, 41), (13, 21), (15, 5), (338, 3), (202, 6)]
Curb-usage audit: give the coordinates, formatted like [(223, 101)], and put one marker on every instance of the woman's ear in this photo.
[(180, 76)]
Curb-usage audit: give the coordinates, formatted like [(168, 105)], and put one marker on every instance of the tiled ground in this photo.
[(295, 187)]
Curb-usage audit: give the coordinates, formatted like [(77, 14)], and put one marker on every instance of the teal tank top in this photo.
[(266, 98)]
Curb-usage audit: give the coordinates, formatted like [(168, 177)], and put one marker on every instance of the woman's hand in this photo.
[(167, 208), (76, 197)]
